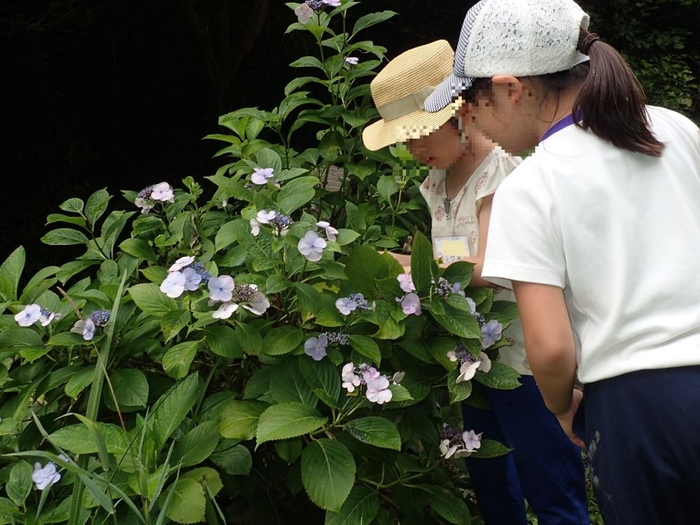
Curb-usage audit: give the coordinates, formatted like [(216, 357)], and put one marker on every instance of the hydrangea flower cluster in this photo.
[(87, 327), (354, 301), (311, 246), (184, 275), (232, 295), (315, 347), (458, 444), (306, 10), (33, 313), (468, 364), (278, 220), (376, 384), (444, 288), (44, 477), (410, 302), (491, 331), (147, 197)]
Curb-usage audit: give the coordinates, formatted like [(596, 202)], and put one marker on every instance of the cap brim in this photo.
[(411, 126), (443, 96)]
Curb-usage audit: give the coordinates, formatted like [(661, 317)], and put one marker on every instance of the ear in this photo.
[(507, 87)]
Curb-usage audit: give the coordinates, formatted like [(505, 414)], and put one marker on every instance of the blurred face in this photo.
[(507, 114), (441, 149)]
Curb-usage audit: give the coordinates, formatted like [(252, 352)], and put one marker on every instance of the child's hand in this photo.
[(566, 420)]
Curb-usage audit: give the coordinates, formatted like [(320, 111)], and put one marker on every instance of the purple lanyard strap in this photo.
[(561, 124)]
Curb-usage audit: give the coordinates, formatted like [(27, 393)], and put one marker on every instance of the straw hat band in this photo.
[(406, 105)]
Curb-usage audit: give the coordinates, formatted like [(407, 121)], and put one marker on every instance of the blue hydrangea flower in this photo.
[(315, 347), (311, 246), (44, 477), (490, 333)]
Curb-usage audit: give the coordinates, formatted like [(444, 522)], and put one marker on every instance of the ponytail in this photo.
[(611, 100)]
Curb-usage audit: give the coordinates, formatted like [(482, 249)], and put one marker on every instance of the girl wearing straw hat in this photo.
[(598, 232), (545, 468)]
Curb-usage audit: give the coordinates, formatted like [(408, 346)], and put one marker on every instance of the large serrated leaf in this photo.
[(239, 420), (172, 407), (151, 300), (361, 507), (288, 420), (376, 431), (328, 473)]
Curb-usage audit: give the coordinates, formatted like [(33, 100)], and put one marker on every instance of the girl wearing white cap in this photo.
[(598, 231), (545, 468)]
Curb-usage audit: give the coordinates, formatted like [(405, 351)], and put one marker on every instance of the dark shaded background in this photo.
[(102, 94)]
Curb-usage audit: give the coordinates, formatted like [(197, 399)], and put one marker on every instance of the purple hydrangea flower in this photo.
[(174, 284), (316, 347), (490, 333), (472, 440), (260, 176), (406, 282), (311, 246), (350, 379), (304, 13), (44, 477), (192, 279), (353, 61), (162, 192), (221, 288), (410, 304), (331, 232), (345, 305), (86, 328), (378, 390), (264, 216), (29, 315), (225, 311), (182, 262)]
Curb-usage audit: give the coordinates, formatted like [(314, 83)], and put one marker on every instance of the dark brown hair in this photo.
[(611, 101)]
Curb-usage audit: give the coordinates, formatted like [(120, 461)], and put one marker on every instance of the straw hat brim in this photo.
[(411, 126)]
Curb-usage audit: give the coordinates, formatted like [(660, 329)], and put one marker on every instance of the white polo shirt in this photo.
[(620, 233)]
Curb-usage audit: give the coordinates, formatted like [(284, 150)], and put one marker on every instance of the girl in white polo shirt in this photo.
[(598, 231), (545, 467)]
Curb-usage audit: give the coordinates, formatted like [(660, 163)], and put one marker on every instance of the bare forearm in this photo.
[(555, 374)]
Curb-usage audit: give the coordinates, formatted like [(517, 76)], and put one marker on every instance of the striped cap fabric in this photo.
[(457, 82)]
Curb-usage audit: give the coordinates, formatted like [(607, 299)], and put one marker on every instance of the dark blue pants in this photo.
[(544, 467), (642, 431)]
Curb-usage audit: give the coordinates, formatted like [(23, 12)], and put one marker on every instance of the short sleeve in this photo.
[(494, 173), (524, 235)]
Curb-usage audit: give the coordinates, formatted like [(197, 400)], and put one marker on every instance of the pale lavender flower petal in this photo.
[(258, 304), (46, 476), (174, 284), (406, 282), (304, 13), (472, 440), (264, 217), (192, 279), (254, 227), (311, 246), (378, 390), (262, 175), (182, 262), (345, 305), (331, 232), (353, 61), (225, 311), (467, 371), (30, 315), (162, 192), (315, 347), (490, 333), (221, 288), (410, 304)]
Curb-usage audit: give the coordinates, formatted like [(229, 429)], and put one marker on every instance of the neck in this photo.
[(556, 109), (476, 150)]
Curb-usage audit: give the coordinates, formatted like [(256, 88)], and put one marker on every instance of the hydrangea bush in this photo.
[(244, 349)]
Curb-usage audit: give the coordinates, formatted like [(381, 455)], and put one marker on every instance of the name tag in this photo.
[(451, 249)]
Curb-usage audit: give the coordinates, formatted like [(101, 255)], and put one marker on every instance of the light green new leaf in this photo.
[(151, 300), (80, 440), (177, 360), (377, 431), (361, 507), (185, 501), (328, 473), (96, 205), (239, 420), (287, 420)]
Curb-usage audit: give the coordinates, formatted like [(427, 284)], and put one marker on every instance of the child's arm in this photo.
[(478, 259)]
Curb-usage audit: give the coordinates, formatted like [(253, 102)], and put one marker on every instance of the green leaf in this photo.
[(346, 236), (422, 263), (323, 378), (288, 384), (296, 193), (130, 387), (267, 158), (387, 186), (239, 420), (277, 283), (196, 445), (79, 381), (491, 449), (399, 393), (371, 19), (501, 377), (367, 347), (172, 407), (331, 145), (235, 460), (177, 360), (138, 248), (328, 473), (458, 391), (249, 338), (448, 505), (288, 420), (459, 272), (96, 205), (223, 341), (64, 237), (376, 431), (361, 507), (151, 300), (307, 61), (363, 266), (282, 340), (458, 322), (288, 450), (10, 273), (73, 205), (173, 322), (19, 485), (185, 501), (80, 440)]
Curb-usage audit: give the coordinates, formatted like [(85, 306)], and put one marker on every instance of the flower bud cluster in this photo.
[(458, 444)]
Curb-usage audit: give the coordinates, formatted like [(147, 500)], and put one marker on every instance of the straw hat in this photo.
[(399, 91)]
